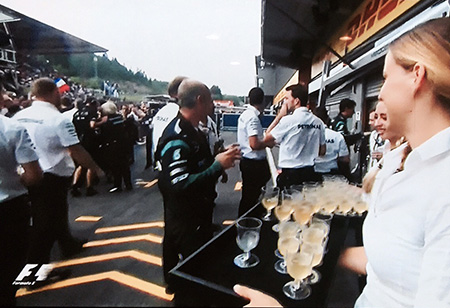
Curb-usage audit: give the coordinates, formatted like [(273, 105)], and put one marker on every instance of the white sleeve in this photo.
[(24, 149), (434, 280), (343, 149), (67, 133), (322, 133), (252, 126), (280, 130)]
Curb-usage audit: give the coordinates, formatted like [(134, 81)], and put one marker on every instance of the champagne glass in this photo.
[(299, 267), (317, 250), (269, 200), (345, 205), (360, 207), (285, 245), (287, 229), (248, 229), (313, 235), (284, 210), (303, 212)]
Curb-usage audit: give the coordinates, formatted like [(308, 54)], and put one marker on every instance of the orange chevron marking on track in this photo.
[(228, 222), (147, 184), (135, 254), (153, 224), (89, 218), (238, 186), (126, 239), (124, 279), (150, 184)]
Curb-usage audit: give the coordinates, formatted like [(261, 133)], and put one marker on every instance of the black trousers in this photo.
[(297, 176), (255, 174), (14, 228), (49, 211), (182, 237)]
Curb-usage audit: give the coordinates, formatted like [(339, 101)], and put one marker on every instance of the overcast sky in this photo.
[(214, 41)]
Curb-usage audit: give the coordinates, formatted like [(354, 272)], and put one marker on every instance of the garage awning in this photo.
[(294, 30), (32, 37)]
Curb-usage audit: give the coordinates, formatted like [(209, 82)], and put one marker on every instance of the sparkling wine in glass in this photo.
[(284, 210), (269, 199), (299, 267), (248, 230), (285, 245)]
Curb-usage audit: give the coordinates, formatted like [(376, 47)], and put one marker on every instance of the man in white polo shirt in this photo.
[(166, 114), (57, 145), (16, 149), (301, 136), (254, 167)]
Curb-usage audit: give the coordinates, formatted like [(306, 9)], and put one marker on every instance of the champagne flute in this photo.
[(284, 210), (285, 245), (299, 267), (360, 207), (303, 212), (317, 250), (269, 200), (287, 229), (248, 229)]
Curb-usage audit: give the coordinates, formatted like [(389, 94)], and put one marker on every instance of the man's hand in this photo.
[(283, 110), (257, 298), (229, 156)]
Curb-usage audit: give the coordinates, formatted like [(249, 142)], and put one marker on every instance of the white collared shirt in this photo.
[(16, 149), (336, 147), (160, 121), (407, 230), (300, 135), (52, 133), (250, 125)]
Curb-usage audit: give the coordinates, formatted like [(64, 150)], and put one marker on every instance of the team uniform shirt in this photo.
[(407, 230), (51, 133), (336, 147), (160, 121), (16, 148), (300, 135), (188, 177), (249, 125)]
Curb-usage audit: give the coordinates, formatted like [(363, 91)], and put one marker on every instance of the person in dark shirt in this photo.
[(113, 144), (188, 176), (84, 121)]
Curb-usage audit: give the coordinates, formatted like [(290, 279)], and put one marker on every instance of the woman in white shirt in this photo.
[(406, 252)]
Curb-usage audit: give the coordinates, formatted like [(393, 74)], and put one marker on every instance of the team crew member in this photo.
[(113, 139), (337, 153), (301, 136), (254, 167), (188, 176), (16, 149), (56, 144), (85, 122), (167, 113)]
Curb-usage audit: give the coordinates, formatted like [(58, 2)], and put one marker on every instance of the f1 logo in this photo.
[(32, 273)]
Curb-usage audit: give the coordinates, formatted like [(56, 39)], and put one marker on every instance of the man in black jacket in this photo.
[(188, 176)]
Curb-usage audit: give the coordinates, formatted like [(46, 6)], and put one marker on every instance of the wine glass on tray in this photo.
[(248, 230)]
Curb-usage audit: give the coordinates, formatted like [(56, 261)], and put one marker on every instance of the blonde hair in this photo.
[(109, 108), (429, 44)]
